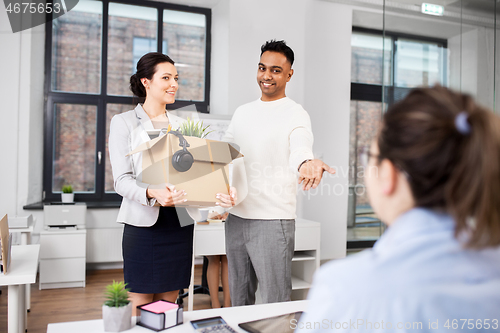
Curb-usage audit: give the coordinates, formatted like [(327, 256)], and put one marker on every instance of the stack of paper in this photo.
[(160, 315)]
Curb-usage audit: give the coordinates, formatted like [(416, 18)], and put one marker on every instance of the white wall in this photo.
[(219, 85), (471, 68), (21, 129), (10, 92), (327, 99), (251, 23)]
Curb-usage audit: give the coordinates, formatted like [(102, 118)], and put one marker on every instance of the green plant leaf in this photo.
[(67, 189), (190, 128), (116, 294)]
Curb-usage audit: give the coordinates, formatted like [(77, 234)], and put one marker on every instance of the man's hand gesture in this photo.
[(311, 173)]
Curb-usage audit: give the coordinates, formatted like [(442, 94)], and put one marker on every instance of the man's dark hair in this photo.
[(280, 47)]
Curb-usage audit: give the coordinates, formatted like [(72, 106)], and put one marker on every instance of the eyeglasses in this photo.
[(364, 156)]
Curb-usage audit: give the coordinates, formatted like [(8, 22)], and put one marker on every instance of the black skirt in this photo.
[(158, 259)]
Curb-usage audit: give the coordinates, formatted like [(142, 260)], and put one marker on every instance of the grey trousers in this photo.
[(259, 250)]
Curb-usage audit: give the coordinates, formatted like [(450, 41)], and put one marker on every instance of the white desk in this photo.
[(25, 240), (22, 271), (209, 239), (233, 316)]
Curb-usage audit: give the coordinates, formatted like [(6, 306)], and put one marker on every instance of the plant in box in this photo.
[(117, 309), (67, 194), (190, 128)]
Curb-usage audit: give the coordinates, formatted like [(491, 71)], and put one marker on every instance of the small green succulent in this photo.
[(116, 294), (190, 128), (67, 189)]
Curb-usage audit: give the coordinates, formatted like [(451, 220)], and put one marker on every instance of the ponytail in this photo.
[(137, 87), (450, 148), (473, 192)]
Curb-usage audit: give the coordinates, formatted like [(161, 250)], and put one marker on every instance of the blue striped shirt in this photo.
[(417, 278)]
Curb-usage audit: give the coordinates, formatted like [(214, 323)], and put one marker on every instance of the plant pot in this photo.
[(67, 197), (117, 319)]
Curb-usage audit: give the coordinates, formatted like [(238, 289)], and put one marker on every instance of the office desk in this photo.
[(232, 316), (209, 239), (22, 271), (25, 240)]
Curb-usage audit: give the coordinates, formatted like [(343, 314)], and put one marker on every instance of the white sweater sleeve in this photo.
[(301, 142)]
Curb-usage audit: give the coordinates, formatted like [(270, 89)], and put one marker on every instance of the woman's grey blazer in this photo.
[(127, 131)]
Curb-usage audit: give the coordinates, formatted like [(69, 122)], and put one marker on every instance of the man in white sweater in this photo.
[(274, 134)]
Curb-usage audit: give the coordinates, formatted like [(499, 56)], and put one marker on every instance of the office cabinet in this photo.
[(62, 258), (306, 257)]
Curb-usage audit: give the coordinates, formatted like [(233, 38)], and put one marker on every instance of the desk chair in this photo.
[(198, 289)]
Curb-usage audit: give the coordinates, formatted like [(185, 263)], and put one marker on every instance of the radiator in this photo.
[(104, 245)]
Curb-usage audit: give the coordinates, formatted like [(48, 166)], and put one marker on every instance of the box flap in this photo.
[(203, 150), (146, 145), (234, 150)]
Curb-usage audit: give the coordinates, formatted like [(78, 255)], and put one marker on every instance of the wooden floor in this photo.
[(73, 304)]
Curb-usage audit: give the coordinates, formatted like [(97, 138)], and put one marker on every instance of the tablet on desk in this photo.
[(278, 324)]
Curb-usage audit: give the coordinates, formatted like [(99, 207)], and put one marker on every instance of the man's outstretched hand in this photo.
[(311, 173)]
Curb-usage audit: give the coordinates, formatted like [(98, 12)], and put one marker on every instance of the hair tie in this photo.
[(462, 123)]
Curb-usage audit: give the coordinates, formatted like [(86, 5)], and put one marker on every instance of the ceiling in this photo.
[(484, 6), (197, 3)]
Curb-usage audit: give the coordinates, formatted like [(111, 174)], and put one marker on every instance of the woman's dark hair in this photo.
[(280, 47), (146, 68), (451, 165)]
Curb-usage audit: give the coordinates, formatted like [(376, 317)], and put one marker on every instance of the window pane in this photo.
[(367, 56), (76, 49), (111, 110), (184, 41), (364, 121), (132, 33), (74, 147), (418, 63)]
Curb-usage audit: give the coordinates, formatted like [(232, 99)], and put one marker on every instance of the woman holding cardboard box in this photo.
[(157, 240)]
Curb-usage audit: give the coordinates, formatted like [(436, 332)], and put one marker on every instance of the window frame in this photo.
[(384, 94), (375, 92), (102, 99)]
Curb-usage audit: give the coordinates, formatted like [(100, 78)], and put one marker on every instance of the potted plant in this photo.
[(117, 309), (67, 194), (190, 128)]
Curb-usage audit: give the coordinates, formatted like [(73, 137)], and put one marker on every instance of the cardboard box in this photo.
[(208, 175), (6, 244)]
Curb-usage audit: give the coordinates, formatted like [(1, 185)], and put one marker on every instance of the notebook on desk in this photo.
[(278, 324)]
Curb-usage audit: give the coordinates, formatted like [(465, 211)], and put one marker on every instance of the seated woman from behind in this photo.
[(433, 176)]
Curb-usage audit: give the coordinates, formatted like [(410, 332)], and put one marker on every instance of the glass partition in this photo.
[(396, 46)]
